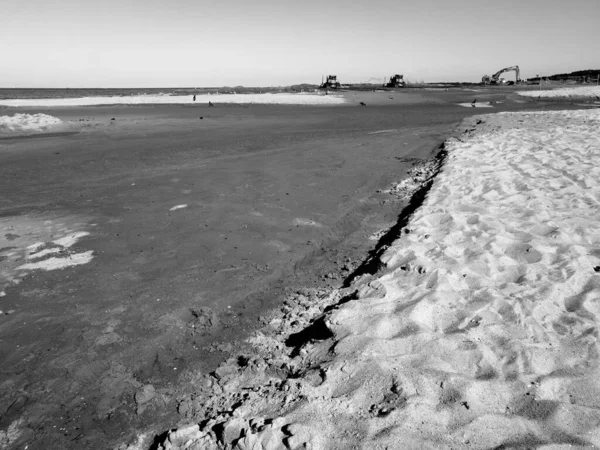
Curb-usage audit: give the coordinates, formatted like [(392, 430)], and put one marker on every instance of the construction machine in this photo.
[(397, 81), (330, 83), (495, 79)]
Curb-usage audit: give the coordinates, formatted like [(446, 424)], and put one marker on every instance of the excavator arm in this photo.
[(486, 79), (496, 76)]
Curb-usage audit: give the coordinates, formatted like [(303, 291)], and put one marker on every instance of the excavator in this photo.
[(330, 83), (495, 79), (397, 81)]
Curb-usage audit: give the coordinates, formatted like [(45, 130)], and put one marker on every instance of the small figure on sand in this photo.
[(473, 103), (194, 97), (210, 104)]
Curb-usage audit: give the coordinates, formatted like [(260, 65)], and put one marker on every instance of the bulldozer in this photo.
[(495, 79), (331, 82), (397, 81)]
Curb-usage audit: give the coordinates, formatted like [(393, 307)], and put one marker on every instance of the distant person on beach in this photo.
[(194, 97), (210, 104)]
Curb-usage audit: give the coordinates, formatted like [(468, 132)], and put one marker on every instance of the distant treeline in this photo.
[(580, 73), (583, 76)]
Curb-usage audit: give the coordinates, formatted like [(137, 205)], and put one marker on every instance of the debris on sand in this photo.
[(421, 173), (143, 397), (475, 104)]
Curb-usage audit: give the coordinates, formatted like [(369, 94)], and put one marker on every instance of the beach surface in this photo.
[(478, 329), (141, 246)]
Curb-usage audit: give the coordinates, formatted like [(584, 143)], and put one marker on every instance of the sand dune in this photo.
[(201, 99), (586, 92), (481, 330)]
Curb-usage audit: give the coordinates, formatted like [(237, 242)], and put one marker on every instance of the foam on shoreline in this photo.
[(480, 331), (201, 99)]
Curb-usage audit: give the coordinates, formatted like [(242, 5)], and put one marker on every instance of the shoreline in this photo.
[(114, 325), (284, 348), (340, 363), (277, 98)]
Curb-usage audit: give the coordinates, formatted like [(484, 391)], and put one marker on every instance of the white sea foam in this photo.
[(585, 92), (391, 130), (282, 99), (306, 222), (70, 239), (65, 257), (52, 247), (27, 124), (59, 263)]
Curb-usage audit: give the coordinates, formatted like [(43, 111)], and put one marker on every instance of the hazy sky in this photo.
[(127, 43)]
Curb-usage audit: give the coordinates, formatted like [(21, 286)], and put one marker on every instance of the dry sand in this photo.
[(579, 93), (479, 331)]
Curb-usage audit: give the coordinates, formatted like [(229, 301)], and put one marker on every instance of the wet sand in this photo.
[(277, 198)]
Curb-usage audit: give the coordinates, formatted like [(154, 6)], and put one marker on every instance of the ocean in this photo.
[(19, 93)]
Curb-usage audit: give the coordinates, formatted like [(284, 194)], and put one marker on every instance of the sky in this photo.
[(193, 43)]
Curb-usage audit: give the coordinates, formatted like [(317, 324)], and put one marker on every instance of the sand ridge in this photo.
[(580, 93), (479, 331)]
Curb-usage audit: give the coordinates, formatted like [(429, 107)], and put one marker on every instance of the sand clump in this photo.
[(478, 331), (19, 125)]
